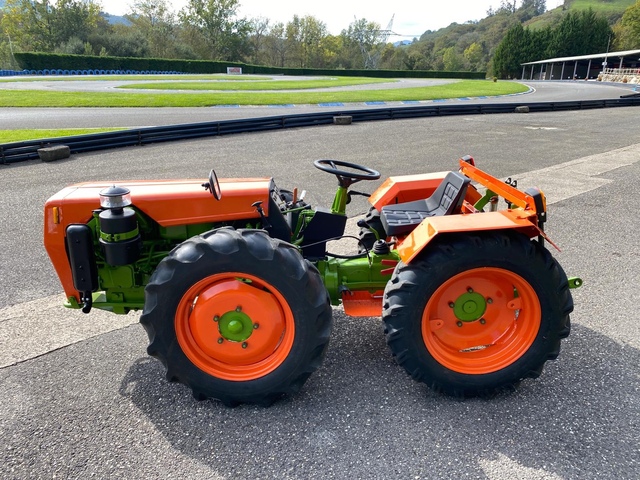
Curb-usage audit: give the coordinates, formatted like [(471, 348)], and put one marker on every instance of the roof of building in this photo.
[(624, 53)]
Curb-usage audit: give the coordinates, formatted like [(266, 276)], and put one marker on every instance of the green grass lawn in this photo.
[(9, 136), (465, 88), (611, 6), (260, 85)]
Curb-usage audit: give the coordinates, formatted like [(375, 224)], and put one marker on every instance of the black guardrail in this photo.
[(20, 151)]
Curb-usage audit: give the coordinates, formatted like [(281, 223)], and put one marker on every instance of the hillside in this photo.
[(471, 45)]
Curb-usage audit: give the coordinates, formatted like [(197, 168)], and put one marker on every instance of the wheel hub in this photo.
[(235, 326), (469, 307)]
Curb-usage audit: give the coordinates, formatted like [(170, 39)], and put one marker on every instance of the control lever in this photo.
[(258, 206)]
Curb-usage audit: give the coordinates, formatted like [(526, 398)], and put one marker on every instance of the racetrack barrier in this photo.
[(28, 150)]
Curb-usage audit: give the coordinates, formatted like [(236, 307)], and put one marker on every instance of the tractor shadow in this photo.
[(360, 415)]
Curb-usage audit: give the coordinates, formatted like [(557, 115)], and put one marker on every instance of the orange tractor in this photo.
[(235, 280)]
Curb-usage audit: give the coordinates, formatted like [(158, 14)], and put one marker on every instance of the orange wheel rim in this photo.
[(234, 326), (481, 321)]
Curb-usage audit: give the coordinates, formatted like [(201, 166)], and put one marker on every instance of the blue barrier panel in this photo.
[(101, 72), (128, 72), (46, 71)]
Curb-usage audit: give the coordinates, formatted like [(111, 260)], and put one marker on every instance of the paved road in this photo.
[(80, 397), (12, 118)]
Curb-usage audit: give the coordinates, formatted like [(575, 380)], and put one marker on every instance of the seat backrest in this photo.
[(449, 195)]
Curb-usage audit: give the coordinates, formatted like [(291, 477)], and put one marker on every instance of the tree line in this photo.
[(212, 30)]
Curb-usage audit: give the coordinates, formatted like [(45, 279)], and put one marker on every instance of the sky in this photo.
[(411, 18)]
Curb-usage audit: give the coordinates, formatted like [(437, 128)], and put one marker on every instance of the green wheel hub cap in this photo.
[(469, 307), (235, 326)]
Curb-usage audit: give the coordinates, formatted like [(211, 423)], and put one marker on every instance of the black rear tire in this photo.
[(463, 289)]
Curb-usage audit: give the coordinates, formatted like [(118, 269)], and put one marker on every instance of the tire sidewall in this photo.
[(281, 272), (534, 268)]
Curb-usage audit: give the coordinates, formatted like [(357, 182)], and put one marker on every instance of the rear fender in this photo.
[(418, 240)]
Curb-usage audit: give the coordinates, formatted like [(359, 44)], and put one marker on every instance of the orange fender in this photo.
[(411, 245)]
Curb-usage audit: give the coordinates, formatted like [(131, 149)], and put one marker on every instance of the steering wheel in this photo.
[(347, 177), (213, 186)]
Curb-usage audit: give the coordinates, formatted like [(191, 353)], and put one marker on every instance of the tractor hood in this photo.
[(168, 202)]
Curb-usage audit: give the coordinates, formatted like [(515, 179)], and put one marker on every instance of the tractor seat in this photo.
[(402, 218)]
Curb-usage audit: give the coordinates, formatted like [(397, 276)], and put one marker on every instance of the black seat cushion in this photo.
[(401, 218)]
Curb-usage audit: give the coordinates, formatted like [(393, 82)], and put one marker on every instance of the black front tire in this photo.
[(214, 272)]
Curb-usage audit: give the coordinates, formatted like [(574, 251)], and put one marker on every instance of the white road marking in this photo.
[(34, 328)]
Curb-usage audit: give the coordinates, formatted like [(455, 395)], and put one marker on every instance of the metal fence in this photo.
[(21, 151)]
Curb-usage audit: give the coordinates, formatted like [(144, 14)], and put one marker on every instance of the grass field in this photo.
[(465, 88), (611, 6), (9, 136), (259, 85)]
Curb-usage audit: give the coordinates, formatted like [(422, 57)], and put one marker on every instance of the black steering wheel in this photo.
[(347, 177), (213, 186)]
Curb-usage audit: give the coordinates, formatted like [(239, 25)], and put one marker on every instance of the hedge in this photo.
[(50, 62)]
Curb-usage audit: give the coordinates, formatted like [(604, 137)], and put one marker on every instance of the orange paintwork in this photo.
[(405, 188), (408, 188), (362, 303), (168, 202), (413, 243), (504, 332), (413, 187), (199, 335), (497, 186)]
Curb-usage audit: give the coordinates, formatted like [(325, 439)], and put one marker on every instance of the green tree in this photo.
[(452, 60), (512, 51), (28, 23), (580, 33), (154, 20), (42, 25), (627, 30), (473, 54), (214, 29)]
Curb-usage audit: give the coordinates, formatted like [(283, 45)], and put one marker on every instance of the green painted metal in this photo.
[(486, 198), (354, 274), (101, 301), (469, 307), (575, 282), (235, 326), (339, 205), (119, 237)]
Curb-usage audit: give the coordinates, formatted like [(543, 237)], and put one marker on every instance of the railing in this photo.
[(20, 151), (621, 71)]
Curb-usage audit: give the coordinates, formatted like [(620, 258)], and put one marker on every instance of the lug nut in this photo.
[(245, 344), (220, 340), (451, 304), (489, 301), (459, 324), (256, 326), (238, 308), (216, 318), (470, 290), (483, 321)]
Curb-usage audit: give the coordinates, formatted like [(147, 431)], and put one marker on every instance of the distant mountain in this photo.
[(402, 43), (113, 19)]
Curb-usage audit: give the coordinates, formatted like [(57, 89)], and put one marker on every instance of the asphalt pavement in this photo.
[(80, 397)]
